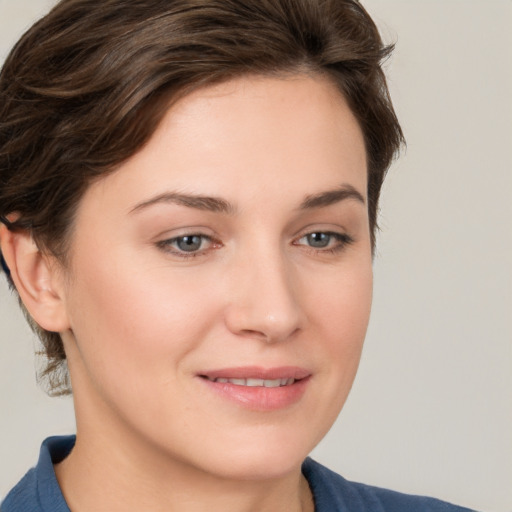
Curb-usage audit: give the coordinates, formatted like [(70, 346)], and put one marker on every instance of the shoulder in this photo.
[(38, 490), (23, 495), (333, 492)]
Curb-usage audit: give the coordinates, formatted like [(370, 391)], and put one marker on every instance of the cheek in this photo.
[(137, 324), (340, 302), (340, 311), (339, 308), (351, 316)]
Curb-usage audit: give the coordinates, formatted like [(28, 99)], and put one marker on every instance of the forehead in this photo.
[(253, 109), (249, 136)]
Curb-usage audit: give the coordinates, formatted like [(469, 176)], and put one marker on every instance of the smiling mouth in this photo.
[(257, 388), (253, 383), (256, 377)]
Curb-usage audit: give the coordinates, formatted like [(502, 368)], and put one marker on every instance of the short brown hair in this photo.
[(85, 88)]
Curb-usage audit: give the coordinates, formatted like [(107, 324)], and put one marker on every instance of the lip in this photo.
[(258, 398)]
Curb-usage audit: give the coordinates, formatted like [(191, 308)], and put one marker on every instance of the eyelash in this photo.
[(342, 241)]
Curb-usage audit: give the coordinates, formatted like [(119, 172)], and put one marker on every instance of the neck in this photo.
[(100, 475)]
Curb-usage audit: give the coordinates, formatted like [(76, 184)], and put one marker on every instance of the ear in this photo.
[(38, 279)]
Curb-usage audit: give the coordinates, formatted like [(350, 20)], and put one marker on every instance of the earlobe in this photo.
[(37, 279)]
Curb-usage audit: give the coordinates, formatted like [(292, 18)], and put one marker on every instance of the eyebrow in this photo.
[(199, 202), (324, 199), (219, 205)]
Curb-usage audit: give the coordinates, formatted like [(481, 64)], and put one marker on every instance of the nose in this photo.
[(264, 300)]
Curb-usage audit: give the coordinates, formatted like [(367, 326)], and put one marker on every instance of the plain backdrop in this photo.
[(431, 409)]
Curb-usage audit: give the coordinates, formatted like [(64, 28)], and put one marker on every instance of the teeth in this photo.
[(253, 383), (267, 383)]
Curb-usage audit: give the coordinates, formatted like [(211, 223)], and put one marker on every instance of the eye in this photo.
[(187, 245), (318, 240), (325, 240)]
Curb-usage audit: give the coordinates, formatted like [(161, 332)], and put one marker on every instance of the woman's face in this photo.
[(220, 281)]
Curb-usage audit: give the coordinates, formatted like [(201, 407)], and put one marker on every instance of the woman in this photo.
[(188, 195)]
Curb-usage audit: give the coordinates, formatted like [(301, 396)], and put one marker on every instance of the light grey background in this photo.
[(431, 409)]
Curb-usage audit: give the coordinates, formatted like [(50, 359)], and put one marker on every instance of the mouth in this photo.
[(253, 383), (257, 388)]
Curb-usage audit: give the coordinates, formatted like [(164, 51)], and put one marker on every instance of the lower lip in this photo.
[(259, 398)]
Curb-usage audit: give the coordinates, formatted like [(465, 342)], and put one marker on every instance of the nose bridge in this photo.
[(265, 301)]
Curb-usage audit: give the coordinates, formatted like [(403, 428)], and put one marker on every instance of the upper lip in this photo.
[(257, 372)]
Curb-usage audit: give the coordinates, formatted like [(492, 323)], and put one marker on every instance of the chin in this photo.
[(261, 459)]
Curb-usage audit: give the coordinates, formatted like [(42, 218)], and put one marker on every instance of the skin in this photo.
[(141, 322)]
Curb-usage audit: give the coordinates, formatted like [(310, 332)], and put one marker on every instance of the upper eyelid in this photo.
[(172, 234), (324, 225), (309, 230)]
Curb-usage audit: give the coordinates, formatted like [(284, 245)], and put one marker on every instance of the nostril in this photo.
[(250, 333)]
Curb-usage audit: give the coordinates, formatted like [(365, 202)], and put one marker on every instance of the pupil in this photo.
[(319, 239), (189, 243)]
